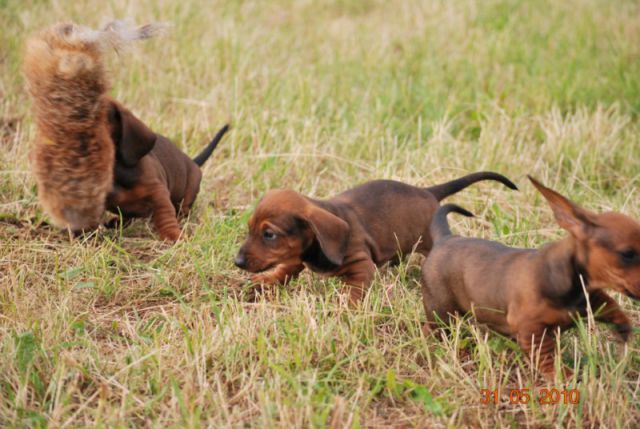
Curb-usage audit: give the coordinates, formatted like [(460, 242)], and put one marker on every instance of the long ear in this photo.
[(568, 214), (330, 231), (132, 138)]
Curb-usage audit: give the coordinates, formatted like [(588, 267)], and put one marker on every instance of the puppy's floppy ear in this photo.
[(330, 231), (570, 216), (133, 139)]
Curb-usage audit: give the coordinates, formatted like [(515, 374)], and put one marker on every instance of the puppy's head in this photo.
[(608, 244), (131, 137), (284, 225)]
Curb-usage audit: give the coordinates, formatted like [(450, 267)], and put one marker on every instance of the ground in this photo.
[(117, 329)]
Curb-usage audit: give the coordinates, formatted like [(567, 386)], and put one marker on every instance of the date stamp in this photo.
[(525, 396)]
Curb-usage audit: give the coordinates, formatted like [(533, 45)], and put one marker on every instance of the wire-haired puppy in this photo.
[(73, 154), (347, 236), (529, 294)]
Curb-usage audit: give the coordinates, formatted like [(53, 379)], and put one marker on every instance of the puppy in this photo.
[(73, 157), (527, 294), (152, 177), (347, 236)]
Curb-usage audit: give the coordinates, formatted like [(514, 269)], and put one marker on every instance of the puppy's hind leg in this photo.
[(438, 301), (194, 177)]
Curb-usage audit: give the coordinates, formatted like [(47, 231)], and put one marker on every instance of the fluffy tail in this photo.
[(444, 190), (65, 74), (117, 34), (202, 157), (439, 225)]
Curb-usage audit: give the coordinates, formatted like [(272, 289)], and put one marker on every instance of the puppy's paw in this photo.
[(254, 292), (170, 234), (624, 331), (266, 278), (426, 330)]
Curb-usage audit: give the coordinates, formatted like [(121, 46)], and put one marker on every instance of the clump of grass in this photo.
[(120, 329)]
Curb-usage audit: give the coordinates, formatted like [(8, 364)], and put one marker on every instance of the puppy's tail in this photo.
[(444, 190), (440, 226), (202, 157)]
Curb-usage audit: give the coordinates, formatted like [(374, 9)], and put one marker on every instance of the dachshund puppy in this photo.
[(73, 156), (152, 177), (347, 236), (528, 294)]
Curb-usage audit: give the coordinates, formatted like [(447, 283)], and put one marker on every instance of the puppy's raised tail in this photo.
[(444, 190), (202, 157), (439, 225)]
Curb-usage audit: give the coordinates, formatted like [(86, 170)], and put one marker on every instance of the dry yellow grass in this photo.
[(118, 329)]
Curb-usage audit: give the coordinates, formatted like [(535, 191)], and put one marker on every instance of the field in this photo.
[(117, 329)]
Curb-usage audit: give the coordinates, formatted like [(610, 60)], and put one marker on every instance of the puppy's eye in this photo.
[(269, 235), (629, 256)]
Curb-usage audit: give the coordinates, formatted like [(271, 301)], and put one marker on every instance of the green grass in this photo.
[(120, 330)]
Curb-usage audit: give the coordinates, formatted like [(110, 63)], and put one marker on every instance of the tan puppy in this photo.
[(73, 155), (527, 293), (152, 176), (346, 236)]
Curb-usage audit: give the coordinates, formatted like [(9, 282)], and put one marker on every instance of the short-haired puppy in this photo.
[(529, 293), (347, 236), (73, 156), (152, 177)]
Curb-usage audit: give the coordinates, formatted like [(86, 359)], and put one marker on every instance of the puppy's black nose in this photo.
[(240, 261)]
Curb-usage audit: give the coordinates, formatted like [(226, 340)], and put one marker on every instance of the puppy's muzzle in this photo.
[(240, 260)]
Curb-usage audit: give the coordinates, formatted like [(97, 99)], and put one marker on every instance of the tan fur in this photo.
[(530, 294), (73, 156)]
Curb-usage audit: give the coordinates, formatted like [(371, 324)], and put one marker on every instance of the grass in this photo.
[(118, 329)]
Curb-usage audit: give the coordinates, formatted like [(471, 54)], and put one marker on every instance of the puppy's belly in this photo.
[(485, 299), (136, 211), (132, 209)]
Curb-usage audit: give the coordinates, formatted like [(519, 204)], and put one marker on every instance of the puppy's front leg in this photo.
[(359, 276), (164, 214), (281, 274), (537, 342), (609, 311)]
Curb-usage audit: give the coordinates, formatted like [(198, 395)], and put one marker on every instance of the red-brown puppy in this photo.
[(527, 293), (346, 236), (152, 177)]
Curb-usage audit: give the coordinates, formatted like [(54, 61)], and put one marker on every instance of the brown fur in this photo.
[(152, 176), (531, 294), (346, 236), (73, 156)]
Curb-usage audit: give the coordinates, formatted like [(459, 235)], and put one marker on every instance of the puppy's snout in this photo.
[(240, 260)]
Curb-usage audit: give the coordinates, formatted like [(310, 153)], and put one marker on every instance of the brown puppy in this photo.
[(527, 293), (346, 236), (73, 156), (152, 177)]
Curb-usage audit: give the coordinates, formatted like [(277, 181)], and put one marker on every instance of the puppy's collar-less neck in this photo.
[(566, 274)]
